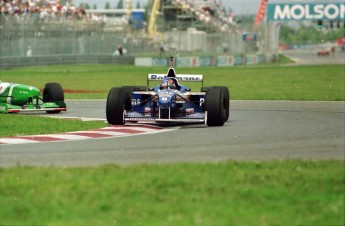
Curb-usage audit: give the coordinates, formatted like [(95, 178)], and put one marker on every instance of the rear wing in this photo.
[(178, 77)]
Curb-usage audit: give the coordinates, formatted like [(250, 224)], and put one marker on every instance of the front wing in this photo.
[(198, 118), (49, 106), (142, 100)]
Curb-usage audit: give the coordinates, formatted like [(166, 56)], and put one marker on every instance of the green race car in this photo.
[(24, 98)]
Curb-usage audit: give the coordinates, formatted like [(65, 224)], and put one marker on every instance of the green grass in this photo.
[(322, 83), (282, 59), (260, 82), (18, 125), (229, 193)]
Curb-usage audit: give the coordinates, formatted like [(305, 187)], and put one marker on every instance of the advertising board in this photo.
[(305, 11)]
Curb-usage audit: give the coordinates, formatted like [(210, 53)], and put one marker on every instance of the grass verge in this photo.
[(19, 125), (228, 193), (259, 82)]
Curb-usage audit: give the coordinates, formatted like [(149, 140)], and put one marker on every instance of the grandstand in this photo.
[(118, 18), (53, 27), (205, 15)]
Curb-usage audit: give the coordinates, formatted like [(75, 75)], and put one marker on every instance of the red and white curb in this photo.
[(107, 132)]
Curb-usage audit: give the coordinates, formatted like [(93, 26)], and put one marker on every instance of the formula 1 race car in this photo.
[(168, 102), (323, 52), (23, 98)]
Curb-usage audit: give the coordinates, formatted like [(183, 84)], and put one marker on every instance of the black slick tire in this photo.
[(215, 105), (227, 96), (53, 92), (127, 96), (115, 106)]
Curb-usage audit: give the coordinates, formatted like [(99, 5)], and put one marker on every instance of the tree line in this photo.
[(309, 34)]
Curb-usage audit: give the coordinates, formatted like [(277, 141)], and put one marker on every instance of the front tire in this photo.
[(216, 106), (53, 92), (115, 106), (227, 96)]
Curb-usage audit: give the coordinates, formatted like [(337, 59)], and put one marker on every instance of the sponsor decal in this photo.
[(249, 37), (238, 60), (184, 61), (160, 62), (205, 61), (306, 11), (251, 59), (222, 60), (260, 59), (196, 78), (136, 102)]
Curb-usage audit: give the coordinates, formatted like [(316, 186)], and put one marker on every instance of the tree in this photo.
[(308, 35), (138, 5), (94, 6), (107, 5), (87, 6), (120, 4)]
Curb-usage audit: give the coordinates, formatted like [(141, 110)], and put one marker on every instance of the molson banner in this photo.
[(306, 11)]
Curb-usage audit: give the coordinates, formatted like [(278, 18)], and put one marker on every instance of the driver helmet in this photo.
[(168, 83)]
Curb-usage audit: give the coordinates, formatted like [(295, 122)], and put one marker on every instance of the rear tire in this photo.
[(53, 92), (115, 106), (127, 96), (215, 105)]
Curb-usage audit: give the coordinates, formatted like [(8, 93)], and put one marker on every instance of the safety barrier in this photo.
[(195, 61), (12, 62), (207, 61)]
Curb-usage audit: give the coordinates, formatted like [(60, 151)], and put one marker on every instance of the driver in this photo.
[(168, 83), (3, 86)]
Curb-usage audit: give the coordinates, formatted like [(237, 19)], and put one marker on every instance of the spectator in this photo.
[(29, 52), (124, 51), (120, 51), (46, 9), (161, 50)]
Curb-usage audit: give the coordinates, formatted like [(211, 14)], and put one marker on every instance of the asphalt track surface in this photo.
[(256, 131)]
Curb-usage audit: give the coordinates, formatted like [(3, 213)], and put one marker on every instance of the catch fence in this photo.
[(70, 41), (78, 37)]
